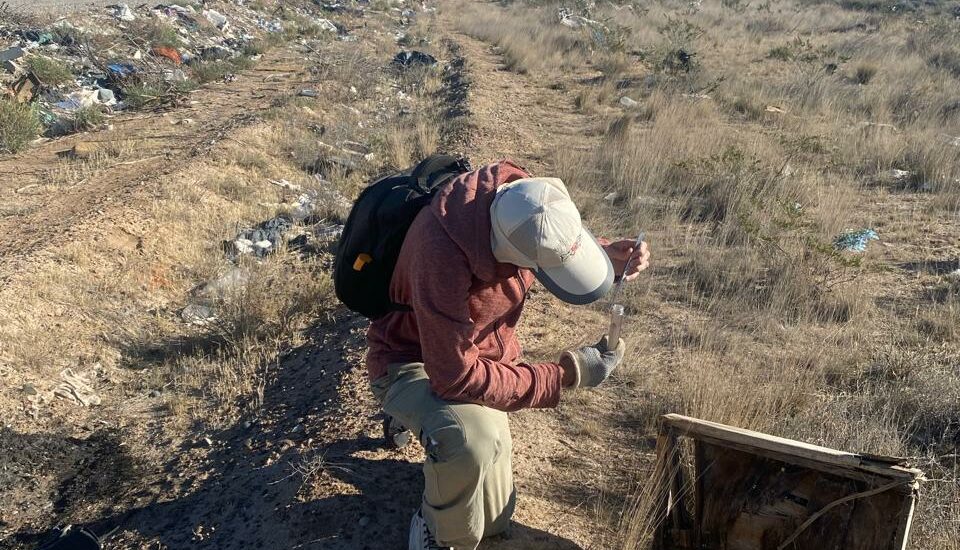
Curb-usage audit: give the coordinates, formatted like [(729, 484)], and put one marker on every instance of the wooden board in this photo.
[(753, 491)]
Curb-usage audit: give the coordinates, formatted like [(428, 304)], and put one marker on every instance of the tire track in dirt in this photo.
[(39, 214), (561, 474)]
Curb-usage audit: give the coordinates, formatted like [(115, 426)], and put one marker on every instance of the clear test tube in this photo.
[(616, 323)]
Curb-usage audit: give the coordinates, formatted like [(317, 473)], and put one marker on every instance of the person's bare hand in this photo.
[(622, 251)]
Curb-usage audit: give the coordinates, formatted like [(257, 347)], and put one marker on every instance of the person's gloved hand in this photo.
[(591, 365)]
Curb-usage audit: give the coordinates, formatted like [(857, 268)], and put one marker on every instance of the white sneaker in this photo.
[(420, 536)]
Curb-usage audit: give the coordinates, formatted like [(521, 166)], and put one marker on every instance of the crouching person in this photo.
[(446, 363)]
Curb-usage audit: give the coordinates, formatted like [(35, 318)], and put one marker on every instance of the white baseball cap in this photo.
[(537, 226)]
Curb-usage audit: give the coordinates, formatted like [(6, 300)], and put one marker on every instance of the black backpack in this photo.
[(374, 232)]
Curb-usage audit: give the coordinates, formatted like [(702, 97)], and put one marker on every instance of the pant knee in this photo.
[(473, 440)]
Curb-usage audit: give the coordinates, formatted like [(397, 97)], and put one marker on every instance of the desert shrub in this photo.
[(50, 71), (19, 125), (946, 59), (864, 73), (86, 118), (679, 36), (764, 25), (158, 33)]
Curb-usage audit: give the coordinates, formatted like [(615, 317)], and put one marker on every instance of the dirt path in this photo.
[(49, 192), (561, 463)]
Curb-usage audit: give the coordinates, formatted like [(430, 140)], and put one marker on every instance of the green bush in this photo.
[(138, 96), (50, 71), (19, 125), (86, 118)]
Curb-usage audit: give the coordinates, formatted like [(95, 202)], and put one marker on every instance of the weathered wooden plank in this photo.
[(757, 441)]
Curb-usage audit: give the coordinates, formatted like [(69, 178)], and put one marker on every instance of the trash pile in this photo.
[(122, 57), (303, 226)]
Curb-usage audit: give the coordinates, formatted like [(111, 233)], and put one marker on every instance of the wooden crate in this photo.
[(726, 488)]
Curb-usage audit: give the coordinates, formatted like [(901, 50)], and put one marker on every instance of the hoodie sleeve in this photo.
[(453, 362)]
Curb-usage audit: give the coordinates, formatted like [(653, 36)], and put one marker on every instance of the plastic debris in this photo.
[(80, 99), (197, 314), (900, 175), (123, 12), (628, 102), (328, 233), (568, 19), (121, 70), (9, 58), (106, 96), (265, 238), (414, 58), (327, 25), (76, 387), (286, 185), (217, 19), (216, 53), (855, 241), (307, 93)]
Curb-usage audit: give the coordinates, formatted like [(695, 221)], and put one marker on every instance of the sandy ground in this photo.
[(54, 6)]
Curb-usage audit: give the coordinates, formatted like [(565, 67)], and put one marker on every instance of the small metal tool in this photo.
[(616, 308)]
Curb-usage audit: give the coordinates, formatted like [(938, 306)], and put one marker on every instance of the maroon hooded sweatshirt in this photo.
[(465, 304)]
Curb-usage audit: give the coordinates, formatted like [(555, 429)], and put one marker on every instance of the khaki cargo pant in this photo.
[(469, 490)]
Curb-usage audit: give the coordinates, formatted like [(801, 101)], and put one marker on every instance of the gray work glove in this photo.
[(593, 364)]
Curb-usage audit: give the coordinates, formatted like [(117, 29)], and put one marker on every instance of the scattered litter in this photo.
[(121, 70), (774, 109), (628, 102), (270, 26), (26, 188), (355, 148), (611, 197), (696, 96), (106, 96), (308, 93), (216, 18), (216, 53), (197, 314), (23, 88), (414, 58), (286, 184), (123, 12), (223, 286), (328, 233), (76, 387), (951, 140), (900, 175), (568, 19), (170, 53), (79, 99), (327, 25), (881, 125), (243, 246), (9, 56), (262, 240), (855, 241)]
